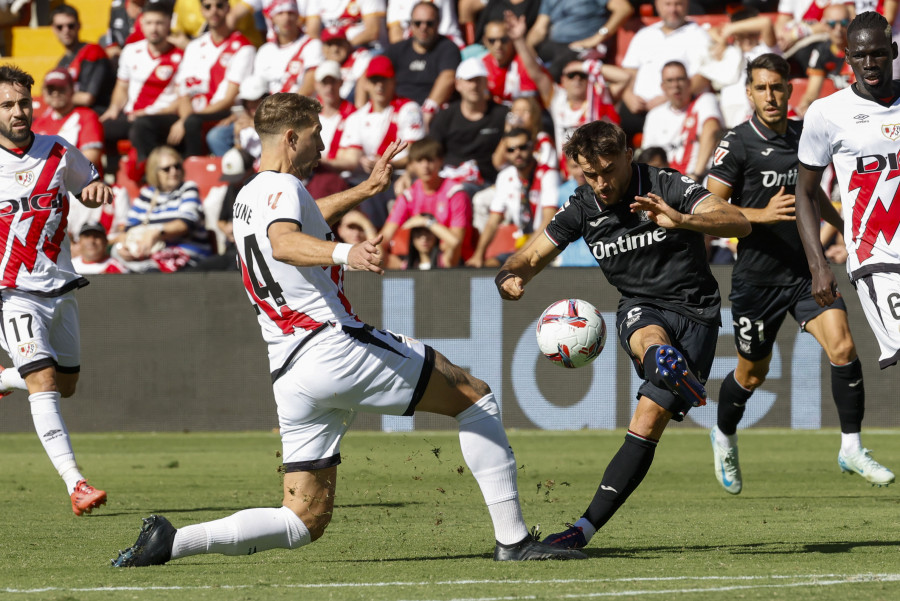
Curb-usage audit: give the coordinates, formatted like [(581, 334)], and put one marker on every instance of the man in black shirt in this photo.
[(645, 228), (426, 62), (756, 166)]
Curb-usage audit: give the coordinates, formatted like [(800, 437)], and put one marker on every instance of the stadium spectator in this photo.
[(687, 126), (425, 63), (799, 22), (209, 79), (189, 22), (566, 25), (353, 62), (248, 10), (672, 38), (354, 227), (431, 244), (526, 194), (351, 366), (145, 98), (494, 11), (508, 74), (827, 59), (289, 63), (77, 125), (444, 200), (525, 113), (124, 27), (625, 202), (576, 254), (93, 252), (39, 282), (470, 129), (772, 278), (399, 20), (88, 64), (165, 228), (227, 134), (335, 109), (361, 21), (748, 35)]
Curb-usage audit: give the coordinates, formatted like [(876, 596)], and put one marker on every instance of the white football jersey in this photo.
[(34, 212), (862, 138), (150, 77), (283, 67), (208, 68), (290, 301)]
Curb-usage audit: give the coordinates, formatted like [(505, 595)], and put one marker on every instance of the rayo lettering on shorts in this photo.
[(39, 202), (625, 244), (773, 179)]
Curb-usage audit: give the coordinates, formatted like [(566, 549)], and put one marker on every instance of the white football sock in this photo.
[(51, 429), (587, 528), (243, 533), (491, 461), (850, 443), (11, 380), (726, 440)]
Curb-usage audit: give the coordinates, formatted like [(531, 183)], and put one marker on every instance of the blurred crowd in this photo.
[(484, 91)]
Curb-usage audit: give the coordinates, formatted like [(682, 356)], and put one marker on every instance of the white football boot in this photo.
[(862, 463), (726, 465)]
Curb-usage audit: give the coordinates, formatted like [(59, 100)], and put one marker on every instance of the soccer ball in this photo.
[(571, 332)]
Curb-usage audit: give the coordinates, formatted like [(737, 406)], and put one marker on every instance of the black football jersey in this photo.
[(755, 162), (647, 263)]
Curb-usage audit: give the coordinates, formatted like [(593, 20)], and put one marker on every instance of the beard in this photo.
[(16, 136)]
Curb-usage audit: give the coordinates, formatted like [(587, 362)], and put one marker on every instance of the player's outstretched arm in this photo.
[(336, 206), (95, 194), (526, 263), (824, 285), (290, 245), (712, 216)]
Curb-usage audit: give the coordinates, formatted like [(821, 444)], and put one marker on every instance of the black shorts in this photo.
[(696, 341), (759, 311)]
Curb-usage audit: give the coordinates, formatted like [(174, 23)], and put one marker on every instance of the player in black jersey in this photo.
[(645, 228), (756, 166)]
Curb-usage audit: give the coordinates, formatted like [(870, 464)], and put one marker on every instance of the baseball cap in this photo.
[(332, 33), (252, 88), (58, 77), (92, 227), (328, 69), (283, 6), (380, 66), (471, 68), (235, 165)]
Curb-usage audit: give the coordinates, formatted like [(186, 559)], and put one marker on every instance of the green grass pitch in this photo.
[(410, 524)]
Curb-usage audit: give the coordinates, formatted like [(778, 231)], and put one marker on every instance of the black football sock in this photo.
[(849, 395), (623, 474), (732, 401)]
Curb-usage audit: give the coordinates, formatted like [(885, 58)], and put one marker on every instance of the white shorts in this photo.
[(341, 371), (40, 332), (879, 294)]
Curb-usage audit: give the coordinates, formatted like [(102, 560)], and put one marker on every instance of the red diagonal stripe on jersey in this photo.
[(154, 85), (26, 254), (292, 79), (881, 221), (337, 276), (288, 319)]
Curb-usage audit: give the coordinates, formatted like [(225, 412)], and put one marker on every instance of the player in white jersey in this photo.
[(327, 365), (858, 129), (38, 310)]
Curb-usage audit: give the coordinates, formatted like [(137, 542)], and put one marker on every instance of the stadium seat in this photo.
[(400, 243), (504, 241), (204, 171)]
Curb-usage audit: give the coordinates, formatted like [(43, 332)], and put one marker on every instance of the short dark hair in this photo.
[(518, 131), (596, 139), (769, 62), (163, 7), (747, 12), (652, 153), (428, 3), (12, 75), (674, 64), (284, 110), (426, 148), (65, 9), (869, 20)]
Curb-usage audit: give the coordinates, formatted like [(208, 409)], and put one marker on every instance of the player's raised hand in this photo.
[(380, 177), (657, 210), (366, 256), (780, 208), (96, 194)]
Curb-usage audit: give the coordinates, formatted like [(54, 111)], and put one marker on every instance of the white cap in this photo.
[(471, 68), (235, 164), (253, 88), (328, 69)]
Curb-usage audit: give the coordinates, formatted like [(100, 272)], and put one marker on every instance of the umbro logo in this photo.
[(50, 434), (861, 118), (767, 152), (598, 222)]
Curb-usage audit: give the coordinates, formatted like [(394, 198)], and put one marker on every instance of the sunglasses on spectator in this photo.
[(575, 75), (62, 26), (520, 147), (842, 23), (172, 167), (423, 23), (213, 5), (492, 41)]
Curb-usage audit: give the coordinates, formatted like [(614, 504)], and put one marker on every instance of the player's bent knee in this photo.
[(317, 525), (753, 381)]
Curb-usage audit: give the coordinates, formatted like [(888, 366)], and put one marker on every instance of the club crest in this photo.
[(27, 349), (25, 178), (891, 131)]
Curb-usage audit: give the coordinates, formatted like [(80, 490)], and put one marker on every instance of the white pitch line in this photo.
[(809, 580)]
